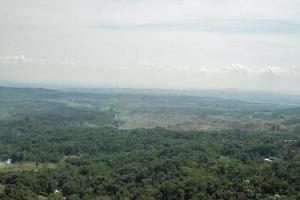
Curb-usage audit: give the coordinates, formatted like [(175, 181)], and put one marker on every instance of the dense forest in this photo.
[(72, 145)]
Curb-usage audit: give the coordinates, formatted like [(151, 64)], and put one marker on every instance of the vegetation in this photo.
[(63, 150)]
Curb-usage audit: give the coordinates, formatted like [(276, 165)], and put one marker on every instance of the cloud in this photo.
[(116, 68), (202, 70), (176, 37), (149, 65), (229, 16), (157, 66), (151, 11), (269, 70), (235, 26), (21, 59), (68, 63), (280, 72), (295, 70), (236, 68)]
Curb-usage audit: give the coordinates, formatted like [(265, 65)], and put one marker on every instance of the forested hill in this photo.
[(75, 145), (145, 109)]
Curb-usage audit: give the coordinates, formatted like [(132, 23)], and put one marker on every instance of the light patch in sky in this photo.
[(7, 60), (148, 43)]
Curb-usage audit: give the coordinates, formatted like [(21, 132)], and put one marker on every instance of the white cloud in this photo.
[(68, 63), (148, 65), (146, 12), (236, 68), (295, 70), (157, 66), (276, 73), (202, 70), (116, 68), (175, 36), (21, 59), (152, 11), (232, 71), (280, 72)]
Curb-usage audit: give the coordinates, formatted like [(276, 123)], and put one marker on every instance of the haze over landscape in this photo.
[(175, 44), (149, 100)]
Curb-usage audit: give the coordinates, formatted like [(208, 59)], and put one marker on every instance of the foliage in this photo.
[(57, 154)]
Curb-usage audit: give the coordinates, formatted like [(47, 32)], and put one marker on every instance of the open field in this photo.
[(25, 166)]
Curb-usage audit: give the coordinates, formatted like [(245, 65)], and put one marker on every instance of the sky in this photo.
[(172, 44)]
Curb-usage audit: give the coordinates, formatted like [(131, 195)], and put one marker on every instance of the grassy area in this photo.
[(72, 104), (25, 166)]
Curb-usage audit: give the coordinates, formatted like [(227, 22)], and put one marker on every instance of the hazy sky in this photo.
[(245, 44)]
